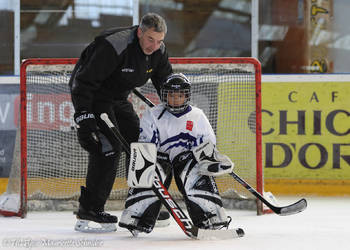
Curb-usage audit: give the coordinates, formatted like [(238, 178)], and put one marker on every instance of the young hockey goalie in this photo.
[(185, 142)]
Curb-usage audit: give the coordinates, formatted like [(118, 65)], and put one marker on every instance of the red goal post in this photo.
[(51, 164)]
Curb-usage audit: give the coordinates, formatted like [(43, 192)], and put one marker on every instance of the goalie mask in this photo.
[(176, 93)]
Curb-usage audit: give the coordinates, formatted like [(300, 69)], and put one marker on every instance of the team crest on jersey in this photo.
[(189, 125)]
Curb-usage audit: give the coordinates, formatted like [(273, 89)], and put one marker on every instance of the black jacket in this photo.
[(112, 65)]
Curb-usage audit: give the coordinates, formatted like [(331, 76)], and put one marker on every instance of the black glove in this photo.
[(87, 131)]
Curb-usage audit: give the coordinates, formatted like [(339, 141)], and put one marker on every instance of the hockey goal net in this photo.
[(49, 165)]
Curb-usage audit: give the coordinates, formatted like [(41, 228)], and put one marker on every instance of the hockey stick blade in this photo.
[(176, 212), (294, 208), (205, 234)]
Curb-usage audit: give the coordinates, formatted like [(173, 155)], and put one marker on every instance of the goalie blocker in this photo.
[(142, 165)]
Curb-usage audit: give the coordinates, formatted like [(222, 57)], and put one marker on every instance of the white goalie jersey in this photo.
[(174, 134)]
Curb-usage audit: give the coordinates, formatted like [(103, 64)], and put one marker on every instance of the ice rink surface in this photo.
[(325, 224)]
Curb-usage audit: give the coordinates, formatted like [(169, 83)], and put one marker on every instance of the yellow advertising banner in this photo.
[(306, 137)]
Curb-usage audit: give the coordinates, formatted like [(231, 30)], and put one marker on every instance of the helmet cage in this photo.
[(176, 83), (165, 93)]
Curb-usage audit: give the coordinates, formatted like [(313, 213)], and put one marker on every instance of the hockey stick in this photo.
[(294, 208), (162, 193), (143, 98)]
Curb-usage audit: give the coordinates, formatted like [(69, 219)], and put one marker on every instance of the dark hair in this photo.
[(155, 21)]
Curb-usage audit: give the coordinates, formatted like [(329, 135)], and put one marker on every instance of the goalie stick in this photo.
[(177, 213), (294, 208)]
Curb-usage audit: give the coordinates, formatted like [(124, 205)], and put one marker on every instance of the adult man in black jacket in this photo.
[(116, 62)]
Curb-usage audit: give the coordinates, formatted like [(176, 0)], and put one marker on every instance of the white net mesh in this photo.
[(57, 165)]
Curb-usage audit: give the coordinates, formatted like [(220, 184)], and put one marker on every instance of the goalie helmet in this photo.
[(175, 93)]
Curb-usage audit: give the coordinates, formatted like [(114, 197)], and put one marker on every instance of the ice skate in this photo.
[(163, 219), (95, 221), (131, 222)]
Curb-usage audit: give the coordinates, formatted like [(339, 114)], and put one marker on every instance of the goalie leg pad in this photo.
[(201, 195), (141, 210), (142, 207)]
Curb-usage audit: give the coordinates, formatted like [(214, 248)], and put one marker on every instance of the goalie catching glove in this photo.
[(210, 161)]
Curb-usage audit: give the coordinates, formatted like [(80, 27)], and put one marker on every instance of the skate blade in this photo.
[(87, 226), (134, 232)]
